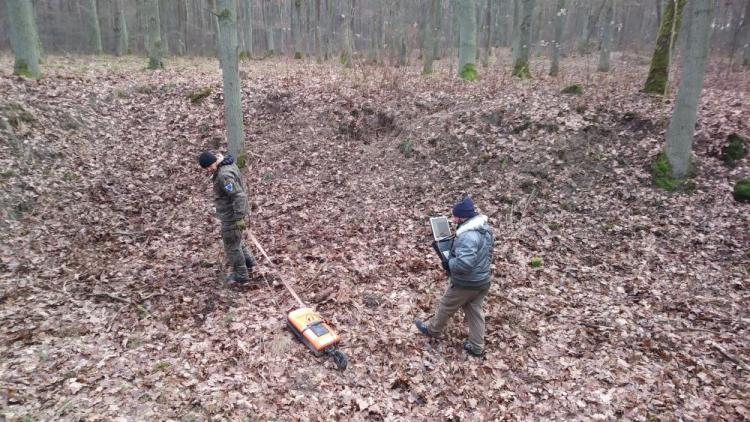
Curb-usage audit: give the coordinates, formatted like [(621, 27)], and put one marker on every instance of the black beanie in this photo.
[(206, 159)]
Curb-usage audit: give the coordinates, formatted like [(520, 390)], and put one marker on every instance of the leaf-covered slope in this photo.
[(112, 297)]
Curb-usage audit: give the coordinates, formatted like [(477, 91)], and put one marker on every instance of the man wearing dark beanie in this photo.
[(469, 271), (231, 209)]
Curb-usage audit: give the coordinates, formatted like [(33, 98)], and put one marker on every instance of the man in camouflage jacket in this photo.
[(231, 209)]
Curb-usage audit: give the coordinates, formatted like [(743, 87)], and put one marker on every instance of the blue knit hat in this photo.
[(464, 208), (206, 159)]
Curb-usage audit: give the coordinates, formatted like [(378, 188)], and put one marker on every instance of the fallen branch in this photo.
[(730, 357), (112, 297)]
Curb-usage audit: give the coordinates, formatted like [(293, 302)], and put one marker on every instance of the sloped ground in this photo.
[(113, 305)]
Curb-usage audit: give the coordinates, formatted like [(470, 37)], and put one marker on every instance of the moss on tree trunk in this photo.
[(658, 73)]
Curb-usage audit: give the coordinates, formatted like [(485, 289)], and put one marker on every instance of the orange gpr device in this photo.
[(308, 325), (316, 334)]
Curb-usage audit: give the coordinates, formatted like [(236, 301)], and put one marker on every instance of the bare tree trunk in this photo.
[(153, 34), (92, 27), (682, 126), (24, 40), (120, 29), (318, 39), (165, 15), (431, 32), (183, 17), (487, 51), (296, 23), (521, 62), (746, 31), (609, 25), (467, 52), (560, 18), (229, 53), (247, 28), (270, 48), (658, 74), (216, 27)]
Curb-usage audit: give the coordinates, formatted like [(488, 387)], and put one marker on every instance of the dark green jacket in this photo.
[(229, 193)]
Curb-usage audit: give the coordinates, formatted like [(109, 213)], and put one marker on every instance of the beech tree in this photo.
[(609, 26), (560, 18), (92, 26), (296, 23), (24, 40), (153, 34), (467, 52), (120, 29), (658, 74), (247, 28), (487, 27), (679, 144), (746, 37), (522, 40), (230, 70), (431, 31)]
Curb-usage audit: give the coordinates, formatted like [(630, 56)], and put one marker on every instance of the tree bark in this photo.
[(430, 36), (269, 29), (467, 50), (247, 28), (658, 74), (746, 37), (24, 40), (183, 19), (609, 26), (216, 27), (93, 31), (682, 126), (229, 53), (523, 42), (296, 23), (153, 34), (514, 33), (120, 29), (560, 18), (487, 51), (318, 39), (165, 15)]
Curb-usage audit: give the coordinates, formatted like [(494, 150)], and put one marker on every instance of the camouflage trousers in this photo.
[(471, 301), (234, 248)]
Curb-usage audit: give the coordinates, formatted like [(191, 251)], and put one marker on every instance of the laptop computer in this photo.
[(442, 237)]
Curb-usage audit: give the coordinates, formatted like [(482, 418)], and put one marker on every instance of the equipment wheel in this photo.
[(339, 359)]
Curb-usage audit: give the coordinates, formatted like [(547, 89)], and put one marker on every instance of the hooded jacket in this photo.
[(229, 193), (471, 255)]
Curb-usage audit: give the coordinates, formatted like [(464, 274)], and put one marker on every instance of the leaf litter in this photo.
[(114, 308)]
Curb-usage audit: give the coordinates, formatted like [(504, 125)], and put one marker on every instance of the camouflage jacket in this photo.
[(229, 193)]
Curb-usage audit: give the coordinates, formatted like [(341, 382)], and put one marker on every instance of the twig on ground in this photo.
[(730, 357), (113, 297)]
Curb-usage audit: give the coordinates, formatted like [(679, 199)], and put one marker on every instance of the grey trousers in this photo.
[(471, 302), (235, 249)]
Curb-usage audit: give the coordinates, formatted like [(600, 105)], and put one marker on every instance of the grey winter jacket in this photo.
[(229, 194), (471, 255)]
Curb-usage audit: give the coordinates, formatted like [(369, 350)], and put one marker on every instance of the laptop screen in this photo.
[(440, 227)]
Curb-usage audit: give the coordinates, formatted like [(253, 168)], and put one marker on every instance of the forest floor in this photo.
[(112, 299)]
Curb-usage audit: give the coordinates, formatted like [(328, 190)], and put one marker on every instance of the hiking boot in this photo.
[(250, 263), (422, 327), (235, 278), (472, 349)]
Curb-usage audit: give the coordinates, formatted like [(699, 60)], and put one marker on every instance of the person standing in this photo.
[(231, 209), (469, 271)]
